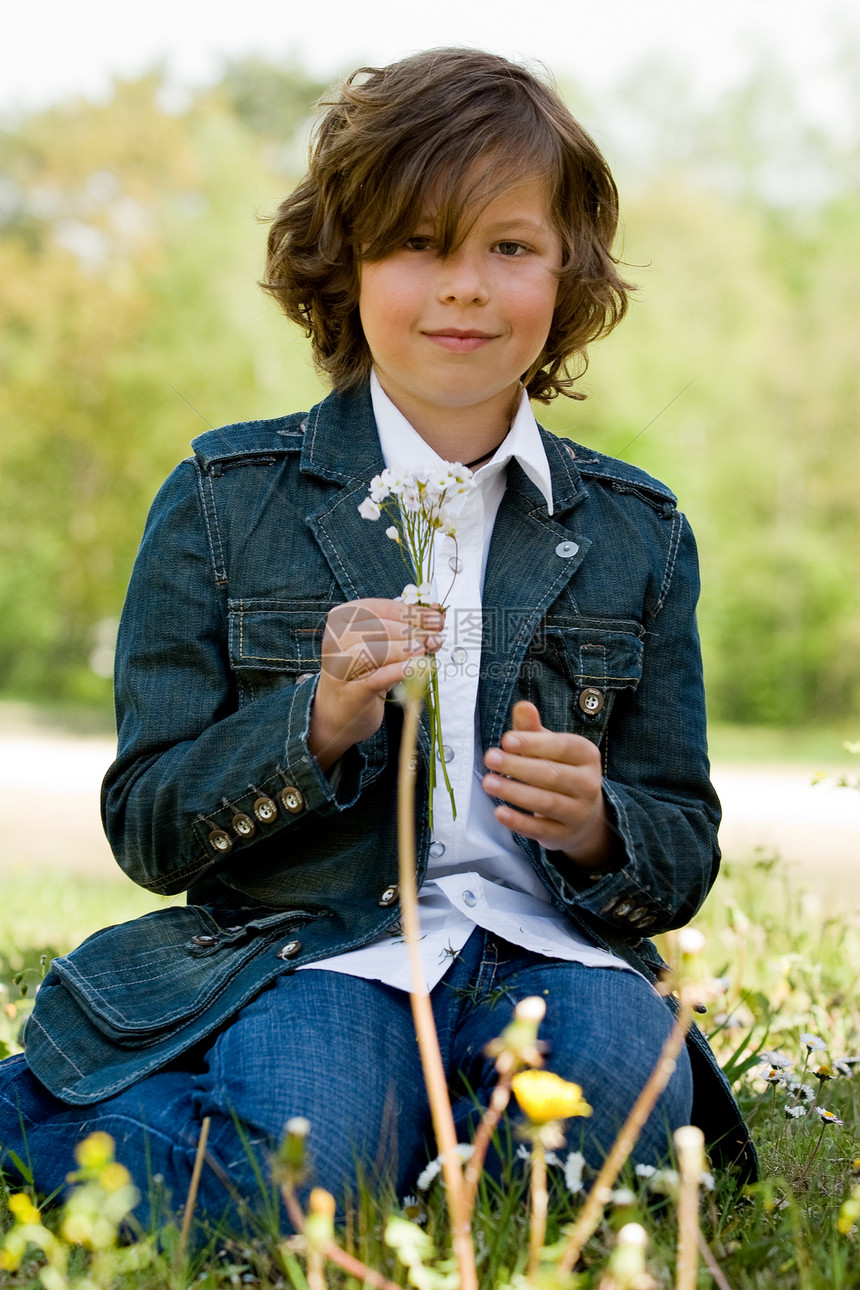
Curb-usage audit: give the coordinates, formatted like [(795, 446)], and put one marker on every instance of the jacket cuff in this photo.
[(616, 895), (295, 787)]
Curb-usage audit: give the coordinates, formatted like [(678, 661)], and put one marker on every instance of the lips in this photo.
[(460, 340)]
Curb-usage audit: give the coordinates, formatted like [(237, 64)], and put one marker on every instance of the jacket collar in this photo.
[(341, 444)]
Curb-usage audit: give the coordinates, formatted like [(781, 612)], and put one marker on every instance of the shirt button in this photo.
[(567, 549), (265, 810), (203, 942), (292, 800), (221, 841), (389, 896), (243, 825), (459, 654), (447, 752), (437, 849), (455, 564), (591, 700), (470, 900), (290, 950)]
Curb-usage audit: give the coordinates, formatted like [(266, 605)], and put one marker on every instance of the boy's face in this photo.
[(451, 337)]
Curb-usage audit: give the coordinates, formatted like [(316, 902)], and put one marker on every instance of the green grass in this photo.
[(788, 968)]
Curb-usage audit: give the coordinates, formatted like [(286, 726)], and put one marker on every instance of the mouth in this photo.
[(460, 340)]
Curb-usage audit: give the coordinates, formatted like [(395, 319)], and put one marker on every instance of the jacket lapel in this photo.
[(342, 446), (532, 559)]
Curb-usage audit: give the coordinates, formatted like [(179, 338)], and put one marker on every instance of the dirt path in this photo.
[(49, 814)]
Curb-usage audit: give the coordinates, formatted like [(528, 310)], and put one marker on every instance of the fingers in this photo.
[(367, 638), (550, 781)]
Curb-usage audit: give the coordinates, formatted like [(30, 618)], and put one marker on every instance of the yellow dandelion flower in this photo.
[(95, 1152), (544, 1096), (24, 1209), (114, 1176)]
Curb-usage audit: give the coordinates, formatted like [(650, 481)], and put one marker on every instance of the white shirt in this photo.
[(477, 873)]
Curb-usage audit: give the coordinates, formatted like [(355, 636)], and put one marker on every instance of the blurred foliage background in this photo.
[(130, 320)]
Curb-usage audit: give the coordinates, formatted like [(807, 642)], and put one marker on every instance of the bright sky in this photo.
[(52, 48)]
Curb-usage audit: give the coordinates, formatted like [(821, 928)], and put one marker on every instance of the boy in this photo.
[(449, 249)]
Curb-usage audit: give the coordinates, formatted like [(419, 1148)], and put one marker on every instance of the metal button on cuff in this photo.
[(243, 825), (203, 942), (389, 896), (292, 800), (290, 950), (567, 549), (221, 841), (265, 810)]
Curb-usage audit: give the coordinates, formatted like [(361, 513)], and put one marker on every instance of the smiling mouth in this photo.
[(460, 341)]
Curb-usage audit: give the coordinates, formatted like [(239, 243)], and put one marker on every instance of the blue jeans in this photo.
[(342, 1052)]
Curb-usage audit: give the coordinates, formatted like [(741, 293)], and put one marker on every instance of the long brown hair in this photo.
[(461, 126)]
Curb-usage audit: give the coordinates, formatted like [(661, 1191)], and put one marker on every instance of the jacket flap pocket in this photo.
[(275, 636), (609, 659), (139, 979)]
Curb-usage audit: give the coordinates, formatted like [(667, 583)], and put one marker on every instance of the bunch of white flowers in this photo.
[(420, 504)]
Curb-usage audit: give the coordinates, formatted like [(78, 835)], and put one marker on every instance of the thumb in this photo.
[(526, 717)]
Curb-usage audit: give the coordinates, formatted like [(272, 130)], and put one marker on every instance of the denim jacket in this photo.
[(589, 613)]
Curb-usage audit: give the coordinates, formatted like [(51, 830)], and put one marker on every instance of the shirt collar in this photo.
[(402, 445)]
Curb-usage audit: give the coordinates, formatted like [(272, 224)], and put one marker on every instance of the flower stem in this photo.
[(422, 1010), (690, 1146), (499, 1099), (540, 1204), (193, 1186)]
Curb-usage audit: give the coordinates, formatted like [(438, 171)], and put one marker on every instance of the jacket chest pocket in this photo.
[(273, 643), (574, 676)]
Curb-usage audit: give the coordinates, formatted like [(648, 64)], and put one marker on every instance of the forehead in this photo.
[(487, 194)]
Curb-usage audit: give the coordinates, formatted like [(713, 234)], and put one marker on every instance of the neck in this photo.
[(455, 432), (479, 461)]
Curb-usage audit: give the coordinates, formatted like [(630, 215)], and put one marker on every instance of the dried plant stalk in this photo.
[(690, 1146), (422, 1011)]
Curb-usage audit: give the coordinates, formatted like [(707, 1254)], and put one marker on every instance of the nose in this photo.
[(462, 279)]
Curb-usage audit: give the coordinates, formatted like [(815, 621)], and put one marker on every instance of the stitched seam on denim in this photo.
[(306, 761), (33, 1021), (192, 870), (674, 544), (344, 570), (339, 474), (204, 482)]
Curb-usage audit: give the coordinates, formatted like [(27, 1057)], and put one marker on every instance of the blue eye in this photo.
[(510, 248)]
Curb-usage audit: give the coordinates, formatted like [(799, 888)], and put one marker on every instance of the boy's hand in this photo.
[(557, 777), (366, 648)]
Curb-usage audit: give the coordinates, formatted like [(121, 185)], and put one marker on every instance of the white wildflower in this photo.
[(368, 510), (392, 532), (431, 1171), (573, 1168), (691, 940), (813, 1043)]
